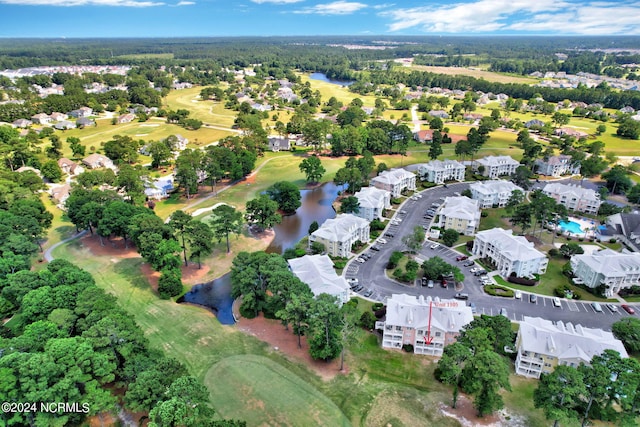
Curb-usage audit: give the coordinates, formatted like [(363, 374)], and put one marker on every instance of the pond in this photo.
[(323, 77), (317, 205)]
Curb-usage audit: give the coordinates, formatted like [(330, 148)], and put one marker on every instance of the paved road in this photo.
[(47, 254), (371, 274)]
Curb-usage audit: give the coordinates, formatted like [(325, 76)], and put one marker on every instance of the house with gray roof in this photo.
[(64, 125), (339, 234), (494, 193), (461, 214), (534, 123), (395, 181), (439, 171), (556, 166), (83, 122), (626, 227), (277, 143), (21, 123), (495, 166), (428, 324), (574, 197), (509, 253), (542, 345), (373, 201), (439, 113), (318, 273), (614, 270), (41, 118)]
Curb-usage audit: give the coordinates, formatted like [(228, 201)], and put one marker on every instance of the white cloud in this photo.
[(510, 16), (336, 8), (186, 3), (383, 6), (276, 1), (68, 3)]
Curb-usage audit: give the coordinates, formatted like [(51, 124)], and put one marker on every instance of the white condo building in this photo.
[(395, 181), (542, 345), (495, 166), (509, 253), (418, 320), (613, 269), (493, 193), (574, 197), (317, 271), (439, 171), (339, 234), (556, 166), (373, 202), (461, 214)]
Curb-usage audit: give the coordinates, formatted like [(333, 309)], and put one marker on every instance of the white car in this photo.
[(474, 269), (381, 240), (557, 303), (518, 295), (434, 246), (360, 260)]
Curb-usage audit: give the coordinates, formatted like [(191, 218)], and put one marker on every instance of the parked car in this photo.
[(430, 284), (474, 269), (597, 307), (375, 248), (381, 240), (434, 246), (424, 281), (360, 260), (461, 296), (556, 302), (628, 309), (480, 273), (613, 308), (368, 293), (468, 263), (533, 298), (461, 257), (473, 308), (503, 312), (518, 295)]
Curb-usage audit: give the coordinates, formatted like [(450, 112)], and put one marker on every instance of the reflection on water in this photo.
[(323, 77), (214, 295), (316, 206)]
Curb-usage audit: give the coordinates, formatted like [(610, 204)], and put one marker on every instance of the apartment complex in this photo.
[(509, 253), (339, 234), (493, 193), (574, 197), (373, 202), (317, 271), (495, 166), (439, 171), (395, 181), (557, 166), (461, 214), (614, 270)]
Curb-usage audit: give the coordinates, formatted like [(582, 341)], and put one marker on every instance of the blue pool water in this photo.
[(571, 227)]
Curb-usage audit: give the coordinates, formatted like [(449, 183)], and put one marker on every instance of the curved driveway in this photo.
[(371, 274)]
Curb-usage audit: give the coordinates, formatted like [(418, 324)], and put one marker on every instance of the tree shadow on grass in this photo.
[(129, 271)]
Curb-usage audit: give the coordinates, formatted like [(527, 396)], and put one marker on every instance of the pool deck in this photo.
[(587, 225)]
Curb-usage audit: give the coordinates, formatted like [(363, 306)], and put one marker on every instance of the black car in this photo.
[(389, 235), (424, 281), (533, 298), (375, 248)]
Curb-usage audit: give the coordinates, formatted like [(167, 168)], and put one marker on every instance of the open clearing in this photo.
[(473, 72)]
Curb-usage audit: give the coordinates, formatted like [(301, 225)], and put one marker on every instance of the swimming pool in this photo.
[(571, 226)]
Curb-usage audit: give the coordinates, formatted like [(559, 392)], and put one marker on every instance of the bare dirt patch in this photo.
[(113, 248), (286, 342), (467, 415)]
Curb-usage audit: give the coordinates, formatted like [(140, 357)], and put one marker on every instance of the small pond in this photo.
[(323, 77)]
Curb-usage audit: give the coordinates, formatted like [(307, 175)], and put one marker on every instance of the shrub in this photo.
[(612, 240), (381, 313), (353, 302), (368, 320), (408, 348), (339, 263), (499, 291), (169, 284), (521, 280), (554, 252), (377, 306)]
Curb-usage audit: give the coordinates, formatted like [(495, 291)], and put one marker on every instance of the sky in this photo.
[(195, 18)]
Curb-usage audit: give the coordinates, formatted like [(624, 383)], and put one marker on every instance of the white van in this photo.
[(596, 307)]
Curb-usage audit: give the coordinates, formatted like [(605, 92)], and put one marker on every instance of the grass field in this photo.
[(473, 72), (208, 111)]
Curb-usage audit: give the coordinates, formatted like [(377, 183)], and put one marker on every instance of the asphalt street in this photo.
[(378, 287)]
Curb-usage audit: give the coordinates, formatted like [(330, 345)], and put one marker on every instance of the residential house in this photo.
[(373, 202), (126, 118), (395, 181), (626, 227), (509, 253), (574, 197), (439, 171), (261, 107), (64, 125), (439, 113), (159, 188), (428, 324), (495, 166), (535, 123), (29, 168), (557, 166), (340, 233), (95, 161), (570, 132), (70, 167), (461, 214), (424, 135), (83, 122), (542, 345), (318, 273), (277, 143), (41, 119), (627, 110), (614, 270), (495, 193), (286, 93), (58, 117), (60, 194), (81, 112), (472, 116), (21, 123), (181, 142)]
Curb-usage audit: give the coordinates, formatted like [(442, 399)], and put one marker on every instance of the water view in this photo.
[(323, 77)]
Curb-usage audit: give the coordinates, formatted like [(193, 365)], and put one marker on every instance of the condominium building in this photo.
[(461, 214), (493, 193), (574, 197), (495, 166), (395, 181), (557, 166), (439, 171), (425, 323), (542, 345), (509, 253), (339, 234), (373, 202), (317, 271), (614, 270)]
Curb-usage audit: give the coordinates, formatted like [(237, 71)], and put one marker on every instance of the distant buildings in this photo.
[(317, 271), (509, 253), (493, 193), (339, 234), (495, 166), (395, 181), (461, 214), (557, 166), (426, 324), (373, 202), (574, 197), (614, 270), (438, 171), (542, 345)]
